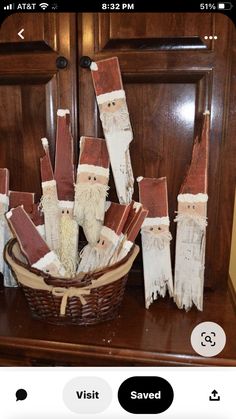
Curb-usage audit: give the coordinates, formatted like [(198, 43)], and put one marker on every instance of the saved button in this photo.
[(148, 395)]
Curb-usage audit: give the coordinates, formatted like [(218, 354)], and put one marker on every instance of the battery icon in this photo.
[(224, 6)]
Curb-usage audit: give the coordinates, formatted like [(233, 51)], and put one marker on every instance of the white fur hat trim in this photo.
[(188, 197), (90, 168), (66, 204), (108, 97), (62, 112), (153, 221), (49, 183)]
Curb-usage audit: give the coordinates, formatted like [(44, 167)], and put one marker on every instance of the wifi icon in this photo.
[(43, 5)]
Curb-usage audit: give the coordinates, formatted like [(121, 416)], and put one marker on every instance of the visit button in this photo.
[(148, 395)]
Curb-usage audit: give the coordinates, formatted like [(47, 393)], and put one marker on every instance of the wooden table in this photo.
[(158, 336)]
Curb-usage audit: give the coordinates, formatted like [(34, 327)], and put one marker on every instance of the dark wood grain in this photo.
[(38, 27), (158, 336), (141, 26), (32, 89)]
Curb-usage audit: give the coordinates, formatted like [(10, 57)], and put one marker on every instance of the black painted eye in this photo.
[(63, 211), (193, 206), (95, 178), (151, 228), (67, 211), (89, 178), (103, 242), (113, 103), (109, 104), (47, 270), (189, 206), (159, 228), (98, 241)]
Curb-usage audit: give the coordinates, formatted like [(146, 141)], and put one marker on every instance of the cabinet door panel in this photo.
[(32, 88)]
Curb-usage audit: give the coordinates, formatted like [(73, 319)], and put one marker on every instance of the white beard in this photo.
[(68, 252), (116, 121), (118, 134), (49, 205), (156, 265), (89, 209), (190, 261), (93, 258)]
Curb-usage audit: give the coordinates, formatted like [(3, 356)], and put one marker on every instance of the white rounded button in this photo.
[(87, 395), (208, 339)]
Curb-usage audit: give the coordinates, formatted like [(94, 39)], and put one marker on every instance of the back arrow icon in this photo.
[(20, 34)]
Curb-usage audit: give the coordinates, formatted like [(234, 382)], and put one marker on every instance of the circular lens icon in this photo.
[(21, 394), (208, 339)]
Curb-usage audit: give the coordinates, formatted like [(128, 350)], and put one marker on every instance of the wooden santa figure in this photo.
[(32, 244), (65, 179), (100, 255), (155, 239), (116, 125), (191, 227), (136, 217), (91, 186), (49, 200), (5, 234), (27, 199)]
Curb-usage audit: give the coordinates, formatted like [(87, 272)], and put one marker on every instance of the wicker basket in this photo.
[(92, 299)]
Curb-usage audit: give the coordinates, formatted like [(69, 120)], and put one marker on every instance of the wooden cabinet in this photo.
[(32, 88), (171, 75)]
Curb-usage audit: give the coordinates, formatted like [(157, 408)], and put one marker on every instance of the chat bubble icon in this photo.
[(21, 394)]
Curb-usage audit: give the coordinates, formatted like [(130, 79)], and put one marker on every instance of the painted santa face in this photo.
[(91, 178), (114, 116), (112, 106), (192, 208), (52, 269), (103, 243), (66, 211), (156, 229)]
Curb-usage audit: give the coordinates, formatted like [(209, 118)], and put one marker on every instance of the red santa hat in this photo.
[(137, 221), (114, 221), (47, 177), (17, 198), (4, 186), (153, 196), (194, 187), (107, 80), (31, 243), (64, 164), (94, 156)]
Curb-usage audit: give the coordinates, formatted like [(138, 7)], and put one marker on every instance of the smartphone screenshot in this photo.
[(117, 219)]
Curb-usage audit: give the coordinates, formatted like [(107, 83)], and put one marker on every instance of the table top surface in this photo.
[(158, 336)]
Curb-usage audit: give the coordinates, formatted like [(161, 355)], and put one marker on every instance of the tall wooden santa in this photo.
[(116, 125), (91, 187), (4, 229), (49, 200), (155, 239), (191, 227), (65, 179)]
